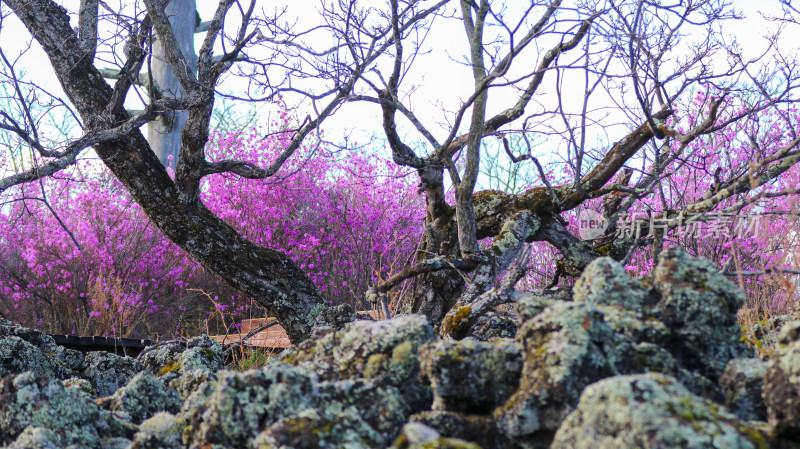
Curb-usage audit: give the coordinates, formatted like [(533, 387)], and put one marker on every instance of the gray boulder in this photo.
[(168, 361), (67, 358), (108, 372), (18, 356), (605, 282), (141, 398), (566, 347), (469, 375), (70, 414), (479, 429), (244, 404), (385, 352), (652, 411), (742, 384), (312, 429), (419, 436), (382, 407), (194, 387), (161, 431), (699, 305), (782, 383)]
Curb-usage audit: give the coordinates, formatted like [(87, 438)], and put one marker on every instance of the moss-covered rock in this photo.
[(382, 407), (18, 356), (142, 397), (81, 384), (108, 372), (566, 347), (605, 282), (532, 303), (419, 436), (699, 305), (312, 429), (72, 416), (168, 361), (68, 359), (203, 353), (36, 438), (161, 431), (479, 429), (384, 352), (191, 382), (244, 404), (782, 383), (163, 360), (469, 375), (742, 385), (652, 411)]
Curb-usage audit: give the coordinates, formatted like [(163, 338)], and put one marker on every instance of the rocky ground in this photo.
[(654, 362)]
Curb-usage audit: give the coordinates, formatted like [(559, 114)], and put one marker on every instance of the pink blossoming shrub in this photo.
[(330, 212), (761, 235)]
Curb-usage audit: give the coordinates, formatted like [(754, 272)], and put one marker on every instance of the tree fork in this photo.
[(267, 276)]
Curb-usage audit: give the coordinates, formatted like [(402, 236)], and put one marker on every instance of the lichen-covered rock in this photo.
[(194, 388), (501, 321), (481, 430), (382, 407), (36, 438), (18, 356), (68, 359), (163, 359), (275, 399), (108, 372), (335, 318), (244, 404), (742, 384), (81, 384), (532, 303), (782, 383), (638, 327), (311, 429), (494, 324), (699, 305), (142, 398), (652, 411), (605, 282), (566, 347), (202, 353), (469, 375), (419, 436), (161, 431), (382, 351), (71, 415), (192, 381), (168, 361)]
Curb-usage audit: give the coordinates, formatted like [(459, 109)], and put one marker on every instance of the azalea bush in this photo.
[(756, 234), (78, 255)]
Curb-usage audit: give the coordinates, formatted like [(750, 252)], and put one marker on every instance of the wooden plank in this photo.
[(273, 337)]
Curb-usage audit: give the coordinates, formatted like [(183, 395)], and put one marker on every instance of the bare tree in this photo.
[(638, 59)]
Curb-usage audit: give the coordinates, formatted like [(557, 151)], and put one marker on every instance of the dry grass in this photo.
[(246, 358)]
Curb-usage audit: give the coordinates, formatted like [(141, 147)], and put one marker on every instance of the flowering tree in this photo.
[(632, 64), (79, 256)]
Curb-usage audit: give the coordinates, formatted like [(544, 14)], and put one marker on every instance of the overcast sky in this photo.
[(440, 84)]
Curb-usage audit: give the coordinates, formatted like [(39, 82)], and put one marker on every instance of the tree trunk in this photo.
[(267, 276), (164, 134), (433, 294)]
